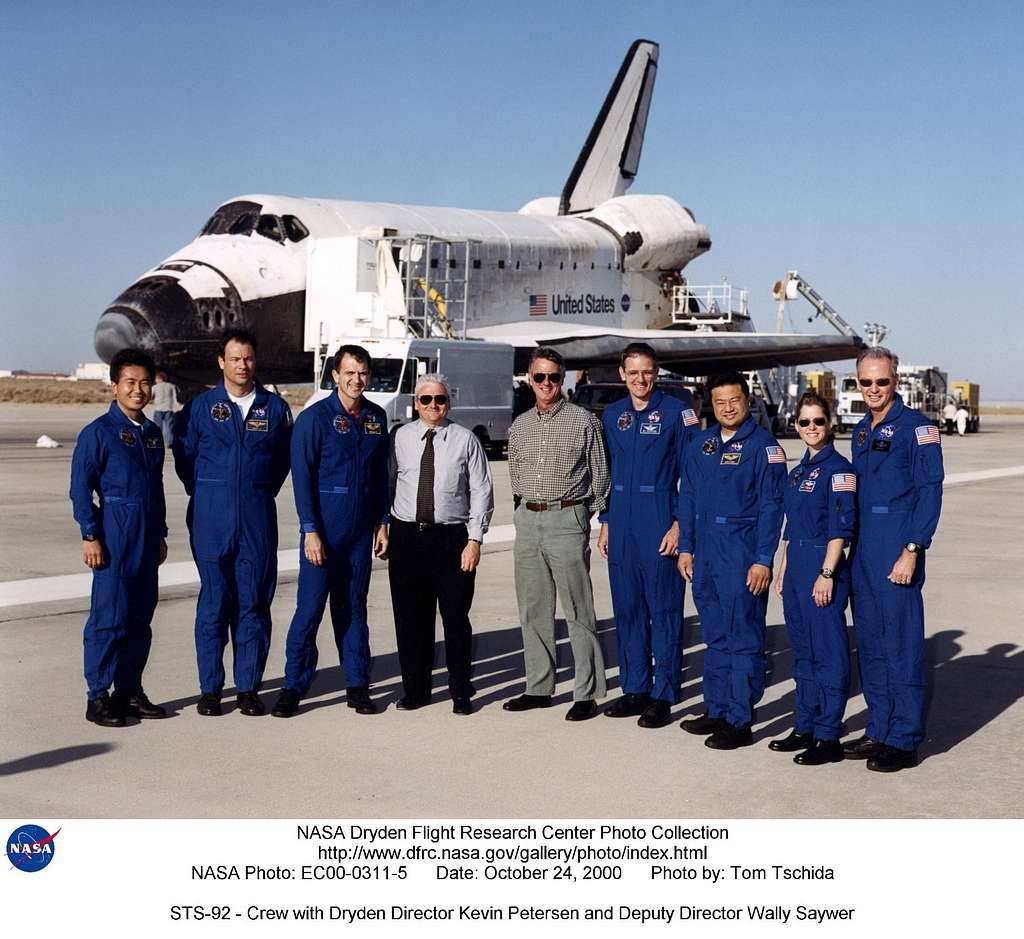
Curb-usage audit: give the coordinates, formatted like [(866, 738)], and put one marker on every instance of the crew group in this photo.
[(676, 505)]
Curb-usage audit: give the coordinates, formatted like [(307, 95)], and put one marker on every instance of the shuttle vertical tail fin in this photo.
[(610, 157)]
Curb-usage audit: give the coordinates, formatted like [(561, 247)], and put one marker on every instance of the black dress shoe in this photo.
[(527, 702), (250, 705), (892, 760), (581, 711), (730, 738), (359, 700), (409, 703), (795, 741), (820, 752), (863, 748), (462, 706), (137, 705), (209, 705), (657, 714), (104, 712), (629, 705), (703, 725), (287, 704)]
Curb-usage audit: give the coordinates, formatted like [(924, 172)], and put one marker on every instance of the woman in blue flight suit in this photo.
[(814, 583)]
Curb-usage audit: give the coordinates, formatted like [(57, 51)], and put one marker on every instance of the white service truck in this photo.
[(479, 376)]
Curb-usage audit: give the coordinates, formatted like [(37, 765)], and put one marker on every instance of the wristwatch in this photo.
[(88, 537), (827, 573), (912, 547)]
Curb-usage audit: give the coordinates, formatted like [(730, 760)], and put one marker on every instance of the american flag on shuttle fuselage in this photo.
[(775, 454), (538, 304), (844, 482), (926, 433)]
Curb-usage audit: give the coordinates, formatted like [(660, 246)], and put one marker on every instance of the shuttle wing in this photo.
[(611, 155), (689, 353)]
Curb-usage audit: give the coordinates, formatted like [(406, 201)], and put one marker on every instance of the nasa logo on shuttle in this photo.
[(30, 848), (625, 303), (221, 411)]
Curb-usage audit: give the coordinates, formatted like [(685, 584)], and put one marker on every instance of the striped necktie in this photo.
[(425, 487)]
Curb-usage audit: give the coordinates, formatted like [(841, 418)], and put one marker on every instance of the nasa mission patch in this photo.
[(221, 411)]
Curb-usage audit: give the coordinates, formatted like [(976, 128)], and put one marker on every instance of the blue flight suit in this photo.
[(233, 468), (123, 465), (645, 449), (821, 504), (899, 474), (730, 515), (340, 480)]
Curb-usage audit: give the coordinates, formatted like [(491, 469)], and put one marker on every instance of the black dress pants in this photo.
[(425, 574)]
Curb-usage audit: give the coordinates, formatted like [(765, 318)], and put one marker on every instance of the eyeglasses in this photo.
[(554, 377), (881, 382), (816, 421), (440, 400)]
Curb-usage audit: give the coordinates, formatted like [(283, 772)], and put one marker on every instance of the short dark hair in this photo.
[(131, 357), (637, 348), (813, 399), (356, 352), (728, 378), (552, 355), (236, 335)]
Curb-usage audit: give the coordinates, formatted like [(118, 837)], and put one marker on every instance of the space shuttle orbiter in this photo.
[(586, 271)]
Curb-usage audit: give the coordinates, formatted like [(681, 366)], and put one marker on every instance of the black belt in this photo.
[(556, 504), (424, 526)]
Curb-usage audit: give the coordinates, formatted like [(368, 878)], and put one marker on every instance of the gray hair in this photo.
[(433, 378), (879, 352)]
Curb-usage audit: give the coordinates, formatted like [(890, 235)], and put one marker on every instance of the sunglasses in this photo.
[(881, 382), (440, 400), (554, 377), (816, 421)]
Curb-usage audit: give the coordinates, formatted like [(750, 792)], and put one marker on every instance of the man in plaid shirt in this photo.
[(559, 471)]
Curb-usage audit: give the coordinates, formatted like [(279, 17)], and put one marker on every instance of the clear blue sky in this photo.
[(877, 147)]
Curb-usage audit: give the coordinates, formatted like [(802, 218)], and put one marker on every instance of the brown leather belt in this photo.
[(557, 504)]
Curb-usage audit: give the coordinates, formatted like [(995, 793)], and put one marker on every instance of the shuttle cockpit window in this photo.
[(233, 218), (269, 226), (294, 229)]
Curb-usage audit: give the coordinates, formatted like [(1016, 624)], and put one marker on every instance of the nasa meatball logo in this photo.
[(258, 412), (30, 848), (710, 445), (221, 411), (815, 474), (887, 431), (127, 437), (342, 424), (736, 447), (654, 416), (625, 420), (625, 303), (862, 437)]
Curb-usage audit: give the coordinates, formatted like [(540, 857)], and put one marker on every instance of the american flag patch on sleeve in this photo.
[(844, 482), (690, 418), (927, 433), (775, 454)]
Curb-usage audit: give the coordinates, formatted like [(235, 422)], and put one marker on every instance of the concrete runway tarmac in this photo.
[(329, 762)]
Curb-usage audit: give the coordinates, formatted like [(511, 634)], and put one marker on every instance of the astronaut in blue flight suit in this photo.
[(231, 446), (119, 458), (645, 434), (898, 459), (814, 583), (730, 514), (340, 480)]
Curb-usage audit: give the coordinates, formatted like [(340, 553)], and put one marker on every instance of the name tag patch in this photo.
[(650, 429), (808, 485), (731, 459), (372, 427), (881, 445), (154, 443), (260, 426)]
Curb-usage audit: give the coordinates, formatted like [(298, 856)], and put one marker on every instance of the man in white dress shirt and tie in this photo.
[(442, 500)]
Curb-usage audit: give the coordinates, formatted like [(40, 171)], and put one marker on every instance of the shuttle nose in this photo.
[(122, 328)]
